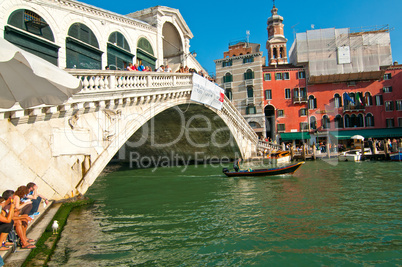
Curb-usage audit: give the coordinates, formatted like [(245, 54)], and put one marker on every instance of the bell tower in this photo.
[(276, 44)]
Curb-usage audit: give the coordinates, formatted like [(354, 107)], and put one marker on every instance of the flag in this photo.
[(358, 99), (347, 97)]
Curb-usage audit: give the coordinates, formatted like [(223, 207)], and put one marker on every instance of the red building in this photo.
[(339, 84)]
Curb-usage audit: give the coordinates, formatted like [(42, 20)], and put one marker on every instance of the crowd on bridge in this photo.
[(165, 68), (18, 210)]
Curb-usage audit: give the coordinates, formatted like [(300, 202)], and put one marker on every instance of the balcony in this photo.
[(300, 99), (250, 100), (249, 82), (351, 107), (227, 85)]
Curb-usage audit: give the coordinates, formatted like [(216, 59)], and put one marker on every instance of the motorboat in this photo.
[(280, 157), (289, 169), (353, 155), (396, 156)]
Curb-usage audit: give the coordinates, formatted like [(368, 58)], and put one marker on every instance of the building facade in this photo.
[(240, 74), (338, 83), (72, 34)]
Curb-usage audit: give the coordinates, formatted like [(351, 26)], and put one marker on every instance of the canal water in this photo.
[(338, 214)]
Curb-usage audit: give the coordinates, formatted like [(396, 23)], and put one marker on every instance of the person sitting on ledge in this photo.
[(35, 197), (20, 221), (22, 205), (6, 225)]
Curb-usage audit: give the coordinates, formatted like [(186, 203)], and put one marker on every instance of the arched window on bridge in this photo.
[(173, 48), (31, 32), (82, 48), (338, 121), (145, 53), (118, 52)]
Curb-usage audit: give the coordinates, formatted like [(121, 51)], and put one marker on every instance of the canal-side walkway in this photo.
[(35, 230)]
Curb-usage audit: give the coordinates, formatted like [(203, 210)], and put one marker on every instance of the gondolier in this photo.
[(236, 164)]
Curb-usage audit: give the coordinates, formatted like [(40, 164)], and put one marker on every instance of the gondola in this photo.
[(289, 169)]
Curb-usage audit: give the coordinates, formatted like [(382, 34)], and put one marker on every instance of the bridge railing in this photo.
[(239, 120), (94, 81)]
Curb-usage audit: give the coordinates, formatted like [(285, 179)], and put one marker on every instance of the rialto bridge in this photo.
[(136, 117)]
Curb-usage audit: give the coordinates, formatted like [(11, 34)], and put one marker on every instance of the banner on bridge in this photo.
[(207, 93)]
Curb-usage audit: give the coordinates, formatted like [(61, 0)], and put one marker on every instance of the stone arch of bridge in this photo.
[(131, 123)]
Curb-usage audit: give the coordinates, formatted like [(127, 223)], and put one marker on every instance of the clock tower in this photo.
[(276, 44)]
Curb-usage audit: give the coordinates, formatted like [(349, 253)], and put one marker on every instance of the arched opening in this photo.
[(270, 130), (337, 101), (249, 74), (313, 123), (82, 48), (360, 120), (369, 120), (347, 121), (312, 102), (172, 46), (338, 121), (368, 99), (325, 122), (145, 53), (227, 78), (118, 52), (228, 93), (274, 52), (29, 31)]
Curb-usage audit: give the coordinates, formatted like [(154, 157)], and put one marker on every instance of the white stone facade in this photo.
[(61, 14)]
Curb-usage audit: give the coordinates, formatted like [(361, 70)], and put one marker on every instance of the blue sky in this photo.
[(216, 23)]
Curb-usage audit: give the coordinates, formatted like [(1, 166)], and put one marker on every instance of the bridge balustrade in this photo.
[(101, 81)]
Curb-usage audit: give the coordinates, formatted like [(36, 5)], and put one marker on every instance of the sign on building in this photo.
[(344, 55)]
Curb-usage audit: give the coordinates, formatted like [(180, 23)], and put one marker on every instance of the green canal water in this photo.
[(339, 214)]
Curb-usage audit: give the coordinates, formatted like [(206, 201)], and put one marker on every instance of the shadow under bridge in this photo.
[(181, 135)]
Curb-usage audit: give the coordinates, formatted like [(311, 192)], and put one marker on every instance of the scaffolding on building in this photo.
[(337, 55)]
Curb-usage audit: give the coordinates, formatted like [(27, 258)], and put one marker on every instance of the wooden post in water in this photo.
[(328, 150), (304, 152), (292, 153), (386, 149), (362, 157)]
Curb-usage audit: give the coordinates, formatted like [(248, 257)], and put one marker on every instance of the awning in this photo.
[(295, 136), (368, 133)]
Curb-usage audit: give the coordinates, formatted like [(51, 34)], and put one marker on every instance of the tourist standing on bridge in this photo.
[(161, 69), (168, 69)]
